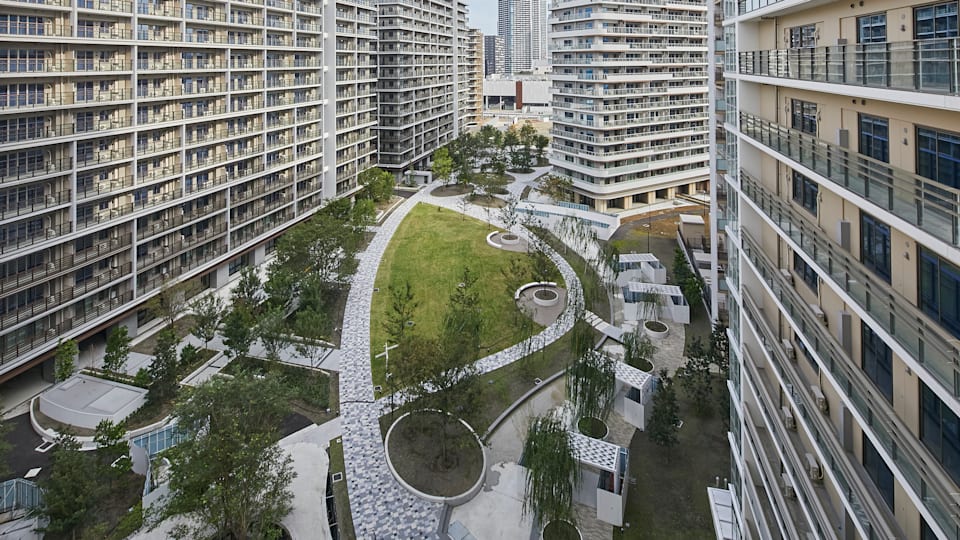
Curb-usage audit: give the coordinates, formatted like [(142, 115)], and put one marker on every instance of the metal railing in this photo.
[(19, 494)]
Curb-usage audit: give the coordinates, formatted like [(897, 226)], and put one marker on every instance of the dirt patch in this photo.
[(416, 451), (451, 191), (182, 327), (487, 201)]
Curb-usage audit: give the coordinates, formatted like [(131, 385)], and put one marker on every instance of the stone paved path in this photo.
[(381, 508)]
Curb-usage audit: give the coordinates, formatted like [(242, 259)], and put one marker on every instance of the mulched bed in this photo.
[(451, 191), (416, 452), (488, 201), (592, 427)]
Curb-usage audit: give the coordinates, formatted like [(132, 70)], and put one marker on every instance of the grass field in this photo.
[(430, 250)]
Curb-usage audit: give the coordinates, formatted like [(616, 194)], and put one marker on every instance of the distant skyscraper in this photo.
[(494, 55), (523, 26)]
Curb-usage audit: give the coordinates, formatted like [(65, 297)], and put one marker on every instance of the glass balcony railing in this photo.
[(930, 65), (902, 450), (887, 308), (927, 204)]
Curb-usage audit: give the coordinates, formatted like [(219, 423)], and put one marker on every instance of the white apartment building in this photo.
[(630, 122)]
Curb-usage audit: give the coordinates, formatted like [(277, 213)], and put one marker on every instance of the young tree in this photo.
[(515, 274), (117, 351), (695, 377), (207, 312), (509, 214), (638, 350), (229, 475), (113, 451), (591, 384), (541, 142), (239, 331), (272, 330), (364, 212), (403, 304), (558, 188), (171, 301), (542, 267), (681, 270), (71, 492), (163, 370), (378, 184), (463, 321), (718, 350), (665, 415), (65, 359), (442, 167), (248, 290), (553, 471)]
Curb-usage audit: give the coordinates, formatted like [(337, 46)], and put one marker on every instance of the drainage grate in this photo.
[(337, 476), (378, 388)]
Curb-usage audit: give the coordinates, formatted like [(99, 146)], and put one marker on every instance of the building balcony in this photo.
[(29, 238), (38, 204), (170, 248), (20, 280), (929, 66), (146, 284), (926, 204), (903, 452)]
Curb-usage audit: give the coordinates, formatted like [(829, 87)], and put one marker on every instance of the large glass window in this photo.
[(933, 26), (805, 192), (803, 116), (875, 245), (939, 431), (938, 156), (877, 361), (935, 21), (940, 290), (806, 273), (878, 471), (875, 137)]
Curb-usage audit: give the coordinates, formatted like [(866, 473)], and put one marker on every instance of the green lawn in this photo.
[(430, 249)]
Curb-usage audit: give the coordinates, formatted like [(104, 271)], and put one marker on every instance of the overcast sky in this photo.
[(483, 15)]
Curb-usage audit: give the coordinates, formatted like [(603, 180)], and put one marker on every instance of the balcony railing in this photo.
[(924, 203), (930, 65), (903, 450), (895, 314)]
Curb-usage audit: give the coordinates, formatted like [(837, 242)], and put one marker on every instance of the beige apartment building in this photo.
[(841, 209), (147, 142)]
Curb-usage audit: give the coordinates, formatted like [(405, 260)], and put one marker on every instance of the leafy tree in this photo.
[(5, 448), (542, 267), (553, 471), (582, 340), (403, 304), (718, 349), (665, 415), (248, 289), (693, 288), (442, 166), (189, 355), (163, 370), (515, 274), (272, 330), (591, 384), (541, 142), (65, 359), (509, 214), (113, 451), (681, 270), (229, 475), (117, 351), (638, 350), (71, 492), (364, 212), (378, 184), (695, 377), (207, 312), (171, 301), (239, 331), (558, 188), (463, 321)]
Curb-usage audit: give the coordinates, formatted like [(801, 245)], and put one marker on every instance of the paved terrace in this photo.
[(380, 506)]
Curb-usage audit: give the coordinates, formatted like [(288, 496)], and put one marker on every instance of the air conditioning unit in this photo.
[(788, 418), (51, 233), (822, 403), (813, 468), (818, 313), (789, 350), (788, 490), (51, 267)]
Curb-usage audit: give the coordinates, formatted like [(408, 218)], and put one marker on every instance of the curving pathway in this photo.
[(380, 507)]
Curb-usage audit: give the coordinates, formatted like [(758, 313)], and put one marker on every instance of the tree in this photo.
[(364, 212), (163, 370), (553, 471), (591, 384), (665, 415), (693, 288), (718, 350), (229, 475), (403, 304), (113, 451), (638, 350), (378, 184), (207, 312), (117, 351), (171, 301), (509, 214), (558, 188), (515, 274), (442, 166), (239, 331), (695, 377), (71, 492), (541, 142), (248, 289), (681, 270), (542, 267), (463, 321), (272, 330), (65, 359)]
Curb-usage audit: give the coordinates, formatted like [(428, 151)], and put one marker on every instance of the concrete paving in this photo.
[(497, 511)]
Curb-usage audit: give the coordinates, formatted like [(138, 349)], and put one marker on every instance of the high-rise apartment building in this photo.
[(494, 55), (147, 142), (842, 212), (523, 26), (630, 122), (422, 84), (474, 75)]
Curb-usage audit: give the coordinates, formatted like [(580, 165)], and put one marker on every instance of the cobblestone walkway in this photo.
[(381, 508)]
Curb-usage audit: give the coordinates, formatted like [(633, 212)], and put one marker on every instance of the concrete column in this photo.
[(47, 370), (220, 276), (259, 254), (671, 193), (600, 205), (130, 322), (628, 202)]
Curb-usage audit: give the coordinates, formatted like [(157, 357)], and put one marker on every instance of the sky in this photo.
[(483, 15)]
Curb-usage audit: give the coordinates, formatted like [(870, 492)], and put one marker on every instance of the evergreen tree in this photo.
[(695, 377), (208, 312), (665, 415), (239, 331), (65, 359), (118, 350), (71, 492), (163, 370)]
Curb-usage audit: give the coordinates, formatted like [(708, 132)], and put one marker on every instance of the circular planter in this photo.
[(452, 500), (561, 530), (593, 427), (509, 239), (655, 329), (546, 297)]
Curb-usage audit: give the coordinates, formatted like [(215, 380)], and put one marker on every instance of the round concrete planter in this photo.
[(550, 533), (546, 297), (655, 329), (597, 423), (509, 239), (454, 500)]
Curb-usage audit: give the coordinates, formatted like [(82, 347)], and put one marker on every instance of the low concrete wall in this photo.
[(75, 417)]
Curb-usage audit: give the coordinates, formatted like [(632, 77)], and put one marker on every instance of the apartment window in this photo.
[(805, 192), (876, 361), (803, 116), (13, 95), (23, 25), (872, 28), (938, 156), (875, 245), (936, 21), (933, 25), (878, 471), (806, 272), (803, 36), (940, 290), (875, 137), (940, 431)]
